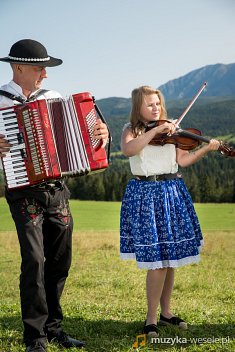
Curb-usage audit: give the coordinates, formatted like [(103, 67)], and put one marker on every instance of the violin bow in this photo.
[(192, 101), (224, 148)]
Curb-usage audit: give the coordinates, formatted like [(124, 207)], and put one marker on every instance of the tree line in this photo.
[(209, 180), (212, 179)]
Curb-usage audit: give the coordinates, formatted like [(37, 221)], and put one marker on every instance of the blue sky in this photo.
[(109, 47)]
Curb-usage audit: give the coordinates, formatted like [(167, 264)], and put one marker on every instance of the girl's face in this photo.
[(150, 108)]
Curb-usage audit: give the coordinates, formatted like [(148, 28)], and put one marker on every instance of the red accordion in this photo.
[(51, 139)]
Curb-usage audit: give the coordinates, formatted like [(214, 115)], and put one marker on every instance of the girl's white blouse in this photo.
[(154, 160)]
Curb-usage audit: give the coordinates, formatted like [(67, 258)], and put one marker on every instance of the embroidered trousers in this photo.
[(44, 227)]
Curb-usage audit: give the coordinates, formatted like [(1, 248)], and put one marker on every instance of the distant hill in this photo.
[(115, 106), (221, 86), (220, 79)]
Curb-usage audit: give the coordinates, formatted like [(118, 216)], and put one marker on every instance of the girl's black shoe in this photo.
[(176, 321), (151, 330)]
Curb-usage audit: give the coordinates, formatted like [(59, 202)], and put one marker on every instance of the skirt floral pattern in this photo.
[(159, 226)]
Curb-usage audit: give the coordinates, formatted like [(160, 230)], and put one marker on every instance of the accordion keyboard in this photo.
[(14, 161)]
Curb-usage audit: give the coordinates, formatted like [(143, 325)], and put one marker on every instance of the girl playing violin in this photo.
[(158, 227)]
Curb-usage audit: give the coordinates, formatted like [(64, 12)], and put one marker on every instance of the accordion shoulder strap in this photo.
[(103, 120), (12, 96), (19, 98)]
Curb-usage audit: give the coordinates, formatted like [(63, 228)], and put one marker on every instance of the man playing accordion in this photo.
[(41, 213)]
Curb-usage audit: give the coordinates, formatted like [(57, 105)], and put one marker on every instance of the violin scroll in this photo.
[(226, 150)]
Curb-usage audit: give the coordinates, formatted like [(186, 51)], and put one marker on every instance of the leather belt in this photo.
[(50, 185), (162, 177)]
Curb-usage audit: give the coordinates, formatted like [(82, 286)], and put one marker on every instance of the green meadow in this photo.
[(104, 216), (104, 300)]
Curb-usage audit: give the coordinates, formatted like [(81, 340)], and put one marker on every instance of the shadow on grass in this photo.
[(113, 335)]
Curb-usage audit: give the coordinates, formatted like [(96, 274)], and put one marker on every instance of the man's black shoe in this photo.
[(65, 341), (36, 347)]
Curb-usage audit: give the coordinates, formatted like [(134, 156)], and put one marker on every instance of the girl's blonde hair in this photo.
[(137, 126)]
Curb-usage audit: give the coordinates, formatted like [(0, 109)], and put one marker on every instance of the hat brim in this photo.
[(50, 63)]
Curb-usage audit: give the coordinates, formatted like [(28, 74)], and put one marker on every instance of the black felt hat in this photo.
[(30, 52)]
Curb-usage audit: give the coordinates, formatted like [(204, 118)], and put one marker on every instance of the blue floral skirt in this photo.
[(159, 226)]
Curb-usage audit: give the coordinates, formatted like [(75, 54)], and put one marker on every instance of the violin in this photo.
[(187, 139)]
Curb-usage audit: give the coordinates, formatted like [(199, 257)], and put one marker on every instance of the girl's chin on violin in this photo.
[(156, 117), (152, 118)]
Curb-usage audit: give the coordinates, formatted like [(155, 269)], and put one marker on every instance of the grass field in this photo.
[(104, 216), (104, 298)]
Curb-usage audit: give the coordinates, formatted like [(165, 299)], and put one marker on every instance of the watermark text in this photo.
[(191, 340)]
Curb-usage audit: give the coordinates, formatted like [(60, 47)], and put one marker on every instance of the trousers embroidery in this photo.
[(31, 210), (63, 212)]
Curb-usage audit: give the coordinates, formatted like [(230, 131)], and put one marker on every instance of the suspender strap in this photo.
[(20, 99)]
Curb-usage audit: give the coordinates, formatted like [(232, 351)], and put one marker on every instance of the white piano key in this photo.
[(11, 129), (12, 154), (14, 183), (13, 138), (14, 173), (10, 126), (18, 177), (16, 169), (14, 161), (8, 115), (9, 133), (8, 123), (4, 128), (10, 159), (10, 167), (5, 121), (18, 146), (14, 166), (7, 110)]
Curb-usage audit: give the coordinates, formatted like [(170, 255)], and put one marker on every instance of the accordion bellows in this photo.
[(51, 139)]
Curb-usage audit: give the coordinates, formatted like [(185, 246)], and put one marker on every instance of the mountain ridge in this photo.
[(220, 80)]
